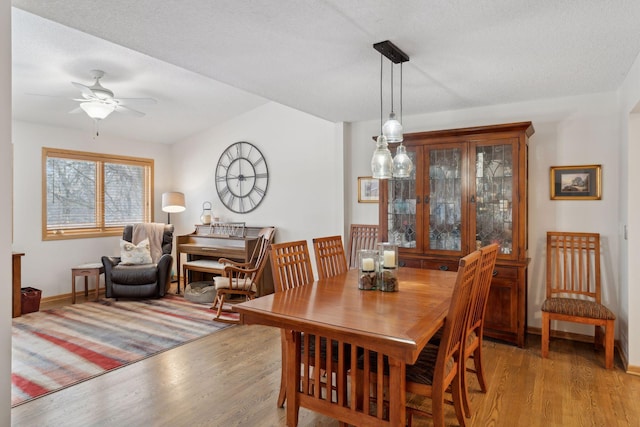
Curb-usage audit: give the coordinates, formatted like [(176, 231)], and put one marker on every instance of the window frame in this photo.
[(100, 159)]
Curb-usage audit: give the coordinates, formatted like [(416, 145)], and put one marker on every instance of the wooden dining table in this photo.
[(394, 324)]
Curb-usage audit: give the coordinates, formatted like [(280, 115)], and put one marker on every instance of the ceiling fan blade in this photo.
[(125, 101), (86, 90), (129, 111)]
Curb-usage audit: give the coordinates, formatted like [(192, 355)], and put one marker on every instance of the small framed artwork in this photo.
[(367, 189), (576, 182)]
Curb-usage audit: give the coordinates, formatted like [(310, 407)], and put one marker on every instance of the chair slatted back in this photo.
[(261, 252), (451, 346), (291, 265), (482, 286), (361, 236), (573, 265), (330, 258)]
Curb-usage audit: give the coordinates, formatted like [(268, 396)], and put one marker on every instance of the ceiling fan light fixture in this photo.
[(97, 110)]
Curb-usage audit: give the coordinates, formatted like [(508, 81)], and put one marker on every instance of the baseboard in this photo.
[(629, 369), (67, 297), (572, 336)]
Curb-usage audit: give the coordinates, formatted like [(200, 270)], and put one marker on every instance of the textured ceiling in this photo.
[(316, 56)]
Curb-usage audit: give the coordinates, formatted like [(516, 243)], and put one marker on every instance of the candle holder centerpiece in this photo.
[(388, 267), (368, 265)]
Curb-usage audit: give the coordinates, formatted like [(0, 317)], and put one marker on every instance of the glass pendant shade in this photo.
[(381, 162), (402, 164), (97, 110), (392, 129)]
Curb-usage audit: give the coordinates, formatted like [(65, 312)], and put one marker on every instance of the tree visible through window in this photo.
[(88, 194)]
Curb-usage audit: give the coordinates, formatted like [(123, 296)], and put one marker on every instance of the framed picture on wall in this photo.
[(367, 189), (576, 182)]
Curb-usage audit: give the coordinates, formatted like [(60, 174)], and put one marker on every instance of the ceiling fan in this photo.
[(99, 102)]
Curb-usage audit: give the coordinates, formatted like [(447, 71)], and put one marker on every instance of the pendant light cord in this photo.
[(381, 94), (391, 87), (401, 92)]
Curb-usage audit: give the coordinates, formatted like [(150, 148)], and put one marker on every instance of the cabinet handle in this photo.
[(473, 199), (444, 268), (426, 199), (495, 273), (401, 263)]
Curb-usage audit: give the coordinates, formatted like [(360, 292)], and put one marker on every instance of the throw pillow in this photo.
[(131, 254)]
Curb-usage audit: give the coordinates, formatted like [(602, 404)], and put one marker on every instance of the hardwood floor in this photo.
[(231, 378)]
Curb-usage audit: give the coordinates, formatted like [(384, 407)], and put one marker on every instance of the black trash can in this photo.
[(30, 299)]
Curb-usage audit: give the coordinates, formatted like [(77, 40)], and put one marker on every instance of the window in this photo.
[(92, 195)]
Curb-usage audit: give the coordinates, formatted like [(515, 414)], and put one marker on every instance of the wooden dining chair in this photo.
[(573, 288), (437, 369), (473, 332), (291, 267), (241, 278), (330, 257), (361, 236)]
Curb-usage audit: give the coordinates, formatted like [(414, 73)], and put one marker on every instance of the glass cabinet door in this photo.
[(494, 195), (445, 199), (401, 208)]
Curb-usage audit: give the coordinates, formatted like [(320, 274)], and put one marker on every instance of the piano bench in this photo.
[(203, 266)]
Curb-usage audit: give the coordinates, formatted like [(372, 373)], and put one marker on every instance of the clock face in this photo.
[(242, 177)]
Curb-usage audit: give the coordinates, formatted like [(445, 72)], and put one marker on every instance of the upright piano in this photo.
[(204, 245)]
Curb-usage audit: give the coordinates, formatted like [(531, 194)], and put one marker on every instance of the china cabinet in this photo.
[(468, 189)]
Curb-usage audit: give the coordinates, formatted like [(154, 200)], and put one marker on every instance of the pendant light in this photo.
[(381, 162), (382, 165)]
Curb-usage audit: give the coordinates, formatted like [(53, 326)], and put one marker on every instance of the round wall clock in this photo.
[(242, 177)]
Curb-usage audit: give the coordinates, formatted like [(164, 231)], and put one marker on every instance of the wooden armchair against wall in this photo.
[(573, 288)]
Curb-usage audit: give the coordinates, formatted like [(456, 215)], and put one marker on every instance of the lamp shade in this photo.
[(402, 164), (392, 129), (173, 202), (97, 110), (381, 162)]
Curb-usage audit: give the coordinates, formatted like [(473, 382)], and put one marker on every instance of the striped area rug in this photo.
[(53, 349)]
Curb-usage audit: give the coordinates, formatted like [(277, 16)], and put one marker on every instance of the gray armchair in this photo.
[(139, 281)]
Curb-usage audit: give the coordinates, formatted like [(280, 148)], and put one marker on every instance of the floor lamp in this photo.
[(173, 201)]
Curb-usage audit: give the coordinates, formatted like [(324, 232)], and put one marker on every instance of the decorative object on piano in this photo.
[(388, 267), (242, 177), (222, 229), (206, 213), (172, 202), (368, 264)]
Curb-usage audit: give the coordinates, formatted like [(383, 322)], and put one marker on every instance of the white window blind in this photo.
[(89, 194)]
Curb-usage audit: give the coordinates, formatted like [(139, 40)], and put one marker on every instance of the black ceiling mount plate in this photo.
[(391, 51)]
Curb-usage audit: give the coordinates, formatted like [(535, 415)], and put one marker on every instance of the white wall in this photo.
[(629, 94), (580, 130), (5, 212), (304, 155), (47, 264)]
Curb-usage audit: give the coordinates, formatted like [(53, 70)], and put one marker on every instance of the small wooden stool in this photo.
[(86, 270)]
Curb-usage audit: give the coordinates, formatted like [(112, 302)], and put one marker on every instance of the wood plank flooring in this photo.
[(231, 378)]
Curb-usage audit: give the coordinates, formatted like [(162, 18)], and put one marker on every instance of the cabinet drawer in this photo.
[(435, 264), (410, 262), (505, 273)]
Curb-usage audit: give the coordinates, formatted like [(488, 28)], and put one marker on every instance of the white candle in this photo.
[(367, 264), (389, 259)]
